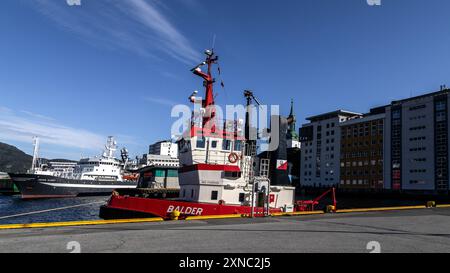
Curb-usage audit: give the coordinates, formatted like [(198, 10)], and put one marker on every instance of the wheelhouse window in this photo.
[(241, 197), (214, 195), (232, 174), (201, 143), (214, 144), (237, 145), (226, 145)]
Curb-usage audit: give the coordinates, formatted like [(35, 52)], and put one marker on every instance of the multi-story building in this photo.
[(164, 148), (321, 142), (401, 146), (362, 151), (417, 141)]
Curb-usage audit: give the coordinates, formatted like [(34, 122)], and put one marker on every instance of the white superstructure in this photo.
[(160, 161), (105, 167)]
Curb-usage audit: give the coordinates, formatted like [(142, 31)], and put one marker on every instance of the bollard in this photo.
[(330, 209), (175, 215)]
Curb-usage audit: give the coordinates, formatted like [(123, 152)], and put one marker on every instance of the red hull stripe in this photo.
[(164, 207), (209, 167)]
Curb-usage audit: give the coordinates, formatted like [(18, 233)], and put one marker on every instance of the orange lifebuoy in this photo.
[(233, 158)]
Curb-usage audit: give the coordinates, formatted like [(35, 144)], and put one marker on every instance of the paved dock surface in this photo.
[(425, 230)]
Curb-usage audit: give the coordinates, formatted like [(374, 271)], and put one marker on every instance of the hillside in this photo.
[(13, 160)]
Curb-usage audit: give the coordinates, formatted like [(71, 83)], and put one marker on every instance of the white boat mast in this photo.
[(110, 148), (35, 153)]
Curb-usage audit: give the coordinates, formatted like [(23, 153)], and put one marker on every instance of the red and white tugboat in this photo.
[(216, 173)]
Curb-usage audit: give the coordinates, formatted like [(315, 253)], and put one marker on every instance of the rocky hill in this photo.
[(13, 160)]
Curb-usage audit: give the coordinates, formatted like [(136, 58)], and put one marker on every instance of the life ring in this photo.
[(233, 158)]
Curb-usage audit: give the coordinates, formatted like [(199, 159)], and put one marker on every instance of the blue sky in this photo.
[(76, 74)]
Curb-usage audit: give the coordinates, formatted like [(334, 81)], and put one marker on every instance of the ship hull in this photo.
[(41, 186), (120, 207), (7, 187)]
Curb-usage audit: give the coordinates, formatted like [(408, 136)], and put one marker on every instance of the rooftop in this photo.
[(333, 114), (433, 94)]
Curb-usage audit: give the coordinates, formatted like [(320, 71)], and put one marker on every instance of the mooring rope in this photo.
[(49, 210)]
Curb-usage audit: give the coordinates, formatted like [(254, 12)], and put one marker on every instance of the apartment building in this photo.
[(417, 141), (362, 151), (164, 148), (321, 143)]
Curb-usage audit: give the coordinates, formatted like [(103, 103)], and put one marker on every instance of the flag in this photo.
[(282, 165)]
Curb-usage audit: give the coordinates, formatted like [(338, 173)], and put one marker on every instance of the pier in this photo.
[(411, 230)]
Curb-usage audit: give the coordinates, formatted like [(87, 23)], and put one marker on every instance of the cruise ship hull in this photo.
[(33, 186)]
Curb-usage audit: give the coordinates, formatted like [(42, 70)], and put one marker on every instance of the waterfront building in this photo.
[(159, 168), (403, 146), (321, 142), (362, 152), (164, 148), (416, 151)]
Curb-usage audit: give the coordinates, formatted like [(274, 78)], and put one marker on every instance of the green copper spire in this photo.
[(292, 133)]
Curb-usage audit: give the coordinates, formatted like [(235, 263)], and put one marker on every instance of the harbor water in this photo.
[(15, 210)]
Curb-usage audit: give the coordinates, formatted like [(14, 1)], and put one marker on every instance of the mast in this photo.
[(110, 148), (35, 153), (208, 103)]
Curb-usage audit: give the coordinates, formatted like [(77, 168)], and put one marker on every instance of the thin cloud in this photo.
[(138, 26), (36, 115), (161, 101), (17, 127)]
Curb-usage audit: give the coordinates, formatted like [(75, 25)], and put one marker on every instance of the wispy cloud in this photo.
[(20, 126), (161, 101), (135, 25), (31, 114)]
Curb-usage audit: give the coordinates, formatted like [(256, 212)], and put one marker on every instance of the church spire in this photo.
[(292, 133), (292, 109)]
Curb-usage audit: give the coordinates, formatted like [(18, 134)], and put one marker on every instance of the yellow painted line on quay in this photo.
[(381, 209), (210, 217), (298, 213), (79, 223), (442, 206)]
